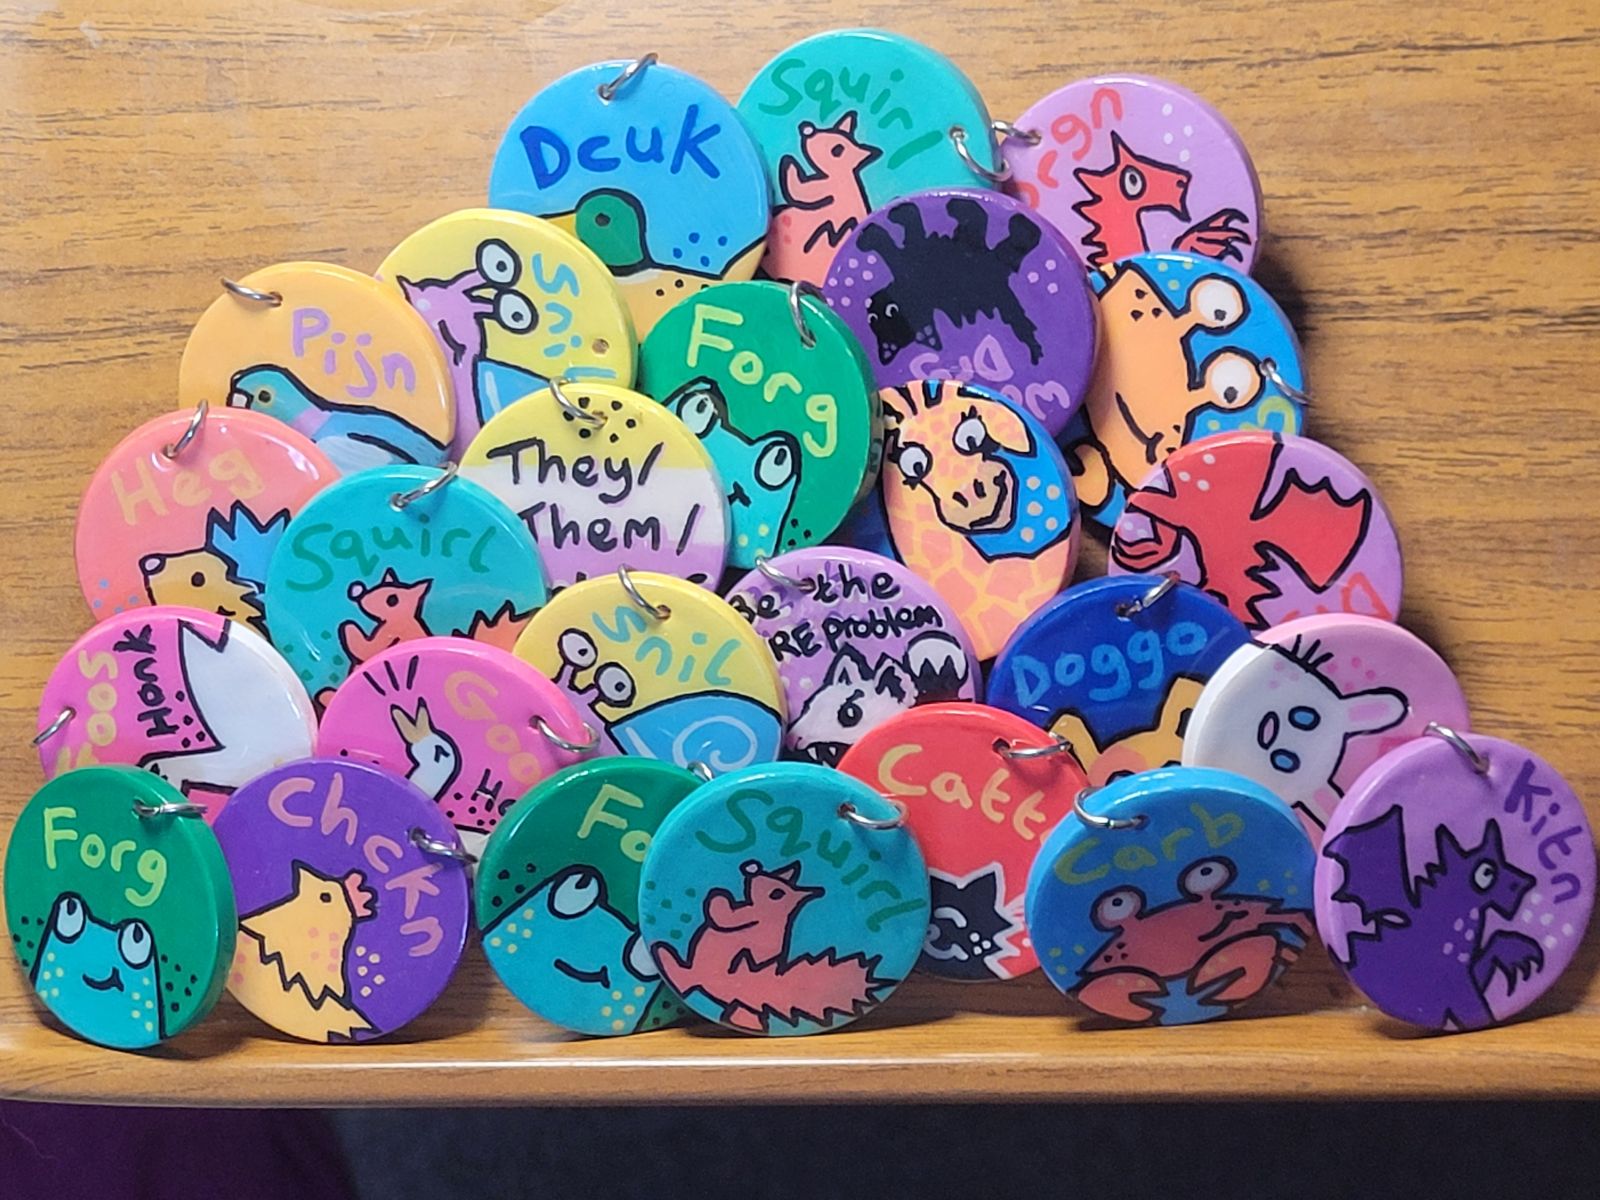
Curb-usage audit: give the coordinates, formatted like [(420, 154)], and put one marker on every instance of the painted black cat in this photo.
[(968, 926), (955, 273)]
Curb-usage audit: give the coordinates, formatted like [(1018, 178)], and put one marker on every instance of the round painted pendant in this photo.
[(651, 168), (662, 669), (558, 896), (513, 301), (331, 352), (981, 788), (1274, 526), (776, 387), (1189, 348), (784, 899), (1314, 702), (352, 890), (1455, 880), (471, 725), (605, 477), (849, 120), (119, 905), (393, 554), (1125, 163), (1116, 666), (1172, 896), (973, 286), (858, 638), (996, 533), (187, 510), (192, 697)]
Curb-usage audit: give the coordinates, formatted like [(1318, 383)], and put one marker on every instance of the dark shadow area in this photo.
[(1298, 1151)]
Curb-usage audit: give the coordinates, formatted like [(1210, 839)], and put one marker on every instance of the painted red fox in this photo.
[(740, 958)]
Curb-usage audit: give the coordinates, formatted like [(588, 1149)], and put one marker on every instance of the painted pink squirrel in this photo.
[(740, 958), (820, 206)]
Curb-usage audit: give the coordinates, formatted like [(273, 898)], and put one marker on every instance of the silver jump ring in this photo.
[(145, 811), (49, 731), (576, 411), (608, 91), (1011, 750), (402, 500), (853, 814), (1006, 131), (658, 612), (432, 845), (1129, 608), (958, 135), (591, 738), (172, 449), (1269, 368), (782, 578), (700, 771), (1096, 821), (798, 288), (254, 295), (1466, 749)]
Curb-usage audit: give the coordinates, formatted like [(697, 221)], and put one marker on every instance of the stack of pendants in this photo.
[(665, 572)]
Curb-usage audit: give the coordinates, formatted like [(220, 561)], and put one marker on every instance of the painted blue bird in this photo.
[(353, 436)]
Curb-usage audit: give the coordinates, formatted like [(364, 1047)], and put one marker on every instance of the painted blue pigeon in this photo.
[(352, 436)]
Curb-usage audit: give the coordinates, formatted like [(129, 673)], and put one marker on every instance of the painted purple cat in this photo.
[(457, 310), (1437, 917)]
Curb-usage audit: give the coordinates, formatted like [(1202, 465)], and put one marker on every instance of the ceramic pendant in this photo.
[(849, 120), (1455, 880), (352, 900), (1274, 526), (513, 302), (558, 896), (119, 906), (784, 899), (973, 286), (981, 788), (330, 352), (393, 554), (1116, 666), (651, 168), (605, 477), (857, 638), (471, 725), (192, 697), (1192, 900), (661, 669), (187, 509), (776, 387), (979, 503), (1125, 163), (1314, 702), (1189, 348)]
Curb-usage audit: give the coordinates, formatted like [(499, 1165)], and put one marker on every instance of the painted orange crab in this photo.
[(1191, 959)]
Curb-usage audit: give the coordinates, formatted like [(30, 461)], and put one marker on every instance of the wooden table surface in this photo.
[(1431, 180)]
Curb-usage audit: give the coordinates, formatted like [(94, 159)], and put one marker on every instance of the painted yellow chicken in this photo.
[(289, 967)]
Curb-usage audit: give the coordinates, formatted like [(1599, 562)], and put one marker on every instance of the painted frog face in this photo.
[(761, 474), (580, 960), (99, 979)]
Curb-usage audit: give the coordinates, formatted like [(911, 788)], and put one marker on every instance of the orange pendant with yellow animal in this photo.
[(187, 510), (978, 502), (331, 352)]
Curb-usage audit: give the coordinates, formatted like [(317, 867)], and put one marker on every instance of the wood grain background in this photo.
[(1431, 182)]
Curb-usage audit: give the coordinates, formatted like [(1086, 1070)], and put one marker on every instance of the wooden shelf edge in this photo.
[(964, 1057)]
